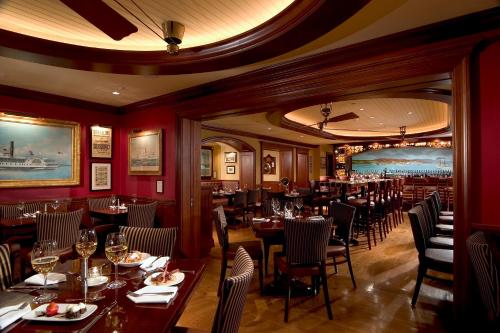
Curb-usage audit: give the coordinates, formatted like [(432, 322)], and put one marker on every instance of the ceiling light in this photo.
[(173, 33), (361, 109), (372, 117), (116, 93), (301, 136), (269, 128), (380, 123), (410, 112)]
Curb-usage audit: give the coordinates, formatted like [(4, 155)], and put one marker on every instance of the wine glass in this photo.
[(288, 209), (55, 204), (113, 201), (20, 207), (116, 250), (43, 260), (275, 205), (299, 204), (134, 198), (86, 246)]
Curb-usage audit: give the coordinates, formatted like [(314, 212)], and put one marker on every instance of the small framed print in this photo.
[(100, 176), (230, 169), (230, 157), (101, 142), (159, 186), (145, 152)]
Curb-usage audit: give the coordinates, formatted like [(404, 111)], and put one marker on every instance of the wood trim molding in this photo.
[(309, 19), (237, 144), (257, 136), (56, 99)]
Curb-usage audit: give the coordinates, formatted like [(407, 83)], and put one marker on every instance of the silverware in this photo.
[(88, 299), (187, 271), (87, 327), (19, 307), (150, 294), (31, 287)]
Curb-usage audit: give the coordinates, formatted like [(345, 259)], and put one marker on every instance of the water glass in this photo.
[(20, 207), (55, 204), (116, 250), (43, 260), (299, 204), (288, 210)]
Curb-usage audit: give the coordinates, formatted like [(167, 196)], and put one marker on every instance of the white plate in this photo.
[(97, 281), (178, 278), (134, 264), (62, 309)]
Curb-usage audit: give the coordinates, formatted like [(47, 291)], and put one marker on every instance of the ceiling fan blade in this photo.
[(103, 17), (343, 117)]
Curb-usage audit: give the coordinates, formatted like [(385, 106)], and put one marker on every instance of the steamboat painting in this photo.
[(145, 153), (408, 160), (35, 152)]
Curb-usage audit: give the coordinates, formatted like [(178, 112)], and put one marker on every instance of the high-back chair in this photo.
[(440, 260), (434, 235), (5, 267), (155, 241), (98, 203), (233, 294), (228, 249), (343, 217), (253, 199), (142, 215), (62, 227), (366, 217), (305, 250), (487, 273), (11, 211), (238, 208), (441, 228)]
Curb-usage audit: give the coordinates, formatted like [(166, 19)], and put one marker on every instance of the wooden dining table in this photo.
[(17, 228), (110, 215), (125, 316)]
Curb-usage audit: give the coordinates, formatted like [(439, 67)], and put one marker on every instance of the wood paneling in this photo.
[(302, 179), (247, 169), (286, 164), (206, 239)]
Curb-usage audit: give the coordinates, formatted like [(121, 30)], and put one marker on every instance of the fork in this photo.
[(150, 294), (19, 307)]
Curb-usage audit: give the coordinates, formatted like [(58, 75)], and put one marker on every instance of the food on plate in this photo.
[(135, 257), (75, 310), (51, 309), (164, 276)]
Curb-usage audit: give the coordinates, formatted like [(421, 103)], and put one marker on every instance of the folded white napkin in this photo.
[(154, 294), (158, 263), (9, 318), (147, 262), (260, 219), (315, 218), (52, 278)]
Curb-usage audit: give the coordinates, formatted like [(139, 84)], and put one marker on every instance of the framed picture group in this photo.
[(101, 147)]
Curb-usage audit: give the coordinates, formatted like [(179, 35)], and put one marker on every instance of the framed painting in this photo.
[(230, 169), (206, 162), (230, 157), (145, 153), (101, 142), (37, 152), (100, 176)]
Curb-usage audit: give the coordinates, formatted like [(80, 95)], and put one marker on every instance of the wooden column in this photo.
[(188, 187)]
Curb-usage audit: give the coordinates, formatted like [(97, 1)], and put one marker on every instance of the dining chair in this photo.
[(141, 215), (366, 217), (233, 294), (252, 200), (155, 241), (486, 273), (229, 249), (238, 207), (306, 241), (444, 216), (11, 211), (5, 267), (338, 245), (436, 237), (440, 260), (441, 228)]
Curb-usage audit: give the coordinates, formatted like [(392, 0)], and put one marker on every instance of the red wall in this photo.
[(489, 113), (122, 183), (86, 118)]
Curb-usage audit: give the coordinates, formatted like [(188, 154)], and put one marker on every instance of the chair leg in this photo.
[(421, 272), (350, 271), (266, 254), (287, 298), (223, 268), (261, 276), (325, 291), (335, 264)]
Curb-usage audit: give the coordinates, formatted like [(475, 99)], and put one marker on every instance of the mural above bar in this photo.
[(406, 161)]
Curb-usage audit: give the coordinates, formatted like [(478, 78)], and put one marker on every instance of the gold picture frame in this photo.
[(101, 141), (38, 152), (145, 153)]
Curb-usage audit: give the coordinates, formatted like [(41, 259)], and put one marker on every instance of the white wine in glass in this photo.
[(43, 260), (86, 246), (116, 250)]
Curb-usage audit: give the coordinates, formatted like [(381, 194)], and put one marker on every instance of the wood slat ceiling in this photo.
[(206, 21)]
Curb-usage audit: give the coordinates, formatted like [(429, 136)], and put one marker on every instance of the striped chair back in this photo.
[(233, 295), (155, 241), (220, 224), (142, 215), (306, 240), (11, 211), (98, 203), (62, 227), (5, 268), (437, 200), (486, 272)]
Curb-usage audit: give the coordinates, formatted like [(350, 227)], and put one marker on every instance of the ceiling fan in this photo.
[(102, 17), (326, 110)]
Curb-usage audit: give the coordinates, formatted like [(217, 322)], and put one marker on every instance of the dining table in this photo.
[(110, 215), (16, 228), (115, 311)]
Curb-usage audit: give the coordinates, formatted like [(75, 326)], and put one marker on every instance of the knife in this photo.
[(87, 327)]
